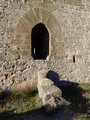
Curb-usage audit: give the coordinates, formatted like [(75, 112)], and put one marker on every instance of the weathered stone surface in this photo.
[(23, 27), (42, 74), (24, 87), (67, 22), (31, 18), (45, 82), (52, 104), (56, 35), (48, 92), (2, 77), (38, 14)]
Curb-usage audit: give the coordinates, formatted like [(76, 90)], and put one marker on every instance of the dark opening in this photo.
[(40, 42), (73, 58)]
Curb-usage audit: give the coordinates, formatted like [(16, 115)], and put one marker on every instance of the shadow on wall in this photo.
[(55, 78), (71, 92)]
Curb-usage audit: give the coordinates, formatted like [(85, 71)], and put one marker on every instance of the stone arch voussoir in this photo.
[(21, 45)]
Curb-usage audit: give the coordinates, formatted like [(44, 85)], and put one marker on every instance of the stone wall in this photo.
[(68, 24)]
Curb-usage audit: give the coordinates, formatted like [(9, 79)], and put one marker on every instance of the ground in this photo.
[(29, 107)]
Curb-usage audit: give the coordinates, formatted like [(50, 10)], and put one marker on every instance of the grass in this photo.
[(85, 86), (82, 118), (20, 104), (78, 95)]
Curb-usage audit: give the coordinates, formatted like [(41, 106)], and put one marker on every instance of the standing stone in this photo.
[(48, 92)]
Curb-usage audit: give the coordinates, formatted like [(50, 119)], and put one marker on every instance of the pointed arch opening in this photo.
[(39, 42)]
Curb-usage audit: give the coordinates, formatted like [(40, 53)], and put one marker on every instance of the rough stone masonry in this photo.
[(68, 26)]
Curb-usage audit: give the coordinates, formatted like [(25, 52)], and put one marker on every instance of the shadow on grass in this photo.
[(76, 96), (30, 115), (72, 92), (11, 114)]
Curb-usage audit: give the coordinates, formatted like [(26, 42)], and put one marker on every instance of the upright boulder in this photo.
[(48, 92)]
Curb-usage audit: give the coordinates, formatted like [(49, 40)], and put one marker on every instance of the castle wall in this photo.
[(68, 24)]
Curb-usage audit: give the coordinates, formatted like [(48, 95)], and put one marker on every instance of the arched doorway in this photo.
[(40, 42)]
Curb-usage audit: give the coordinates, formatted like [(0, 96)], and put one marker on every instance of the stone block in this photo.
[(31, 19), (77, 2), (16, 54), (78, 58), (29, 52), (2, 77), (23, 27), (25, 47), (27, 37), (88, 21), (24, 53), (45, 82), (38, 14), (10, 30), (48, 91), (19, 36), (24, 57), (34, 1), (88, 28), (84, 21), (27, 41), (53, 24), (30, 3), (37, 4), (42, 74), (51, 105), (1, 57), (50, 7), (64, 1), (56, 36), (87, 8), (13, 47), (69, 58), (70, 2), (48, 1), (87, 1), (16, 41), (45, 15)]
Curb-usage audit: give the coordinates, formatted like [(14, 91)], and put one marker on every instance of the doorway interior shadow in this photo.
[(39, 42)]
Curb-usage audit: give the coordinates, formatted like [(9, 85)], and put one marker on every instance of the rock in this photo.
[(42, 74), (51, 105), (2, 77), (39, 101), (24, 87), (51, 96), (45, 81), (48, 92)]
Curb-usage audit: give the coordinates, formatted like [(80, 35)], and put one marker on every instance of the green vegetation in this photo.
[(82, 118), (20, 104), (85, 86), (78, 96)]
